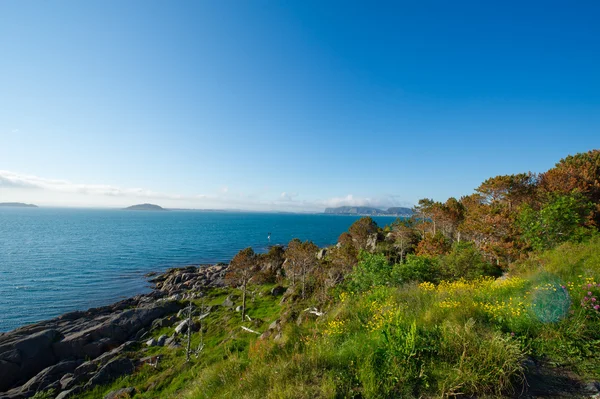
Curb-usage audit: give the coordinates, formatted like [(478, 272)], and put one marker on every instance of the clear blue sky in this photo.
[(290, 105)]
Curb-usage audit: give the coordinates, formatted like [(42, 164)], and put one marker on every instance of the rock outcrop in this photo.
[(84, 348)]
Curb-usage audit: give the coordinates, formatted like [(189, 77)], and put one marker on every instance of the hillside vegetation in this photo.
[(496, 294)]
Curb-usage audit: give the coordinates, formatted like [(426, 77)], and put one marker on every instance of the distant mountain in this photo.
[(145, 207), (399, 211), (18, 205), (368, 211)]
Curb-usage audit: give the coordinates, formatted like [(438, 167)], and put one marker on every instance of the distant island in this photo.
[(144, 207), (17, 205), (368, 211)]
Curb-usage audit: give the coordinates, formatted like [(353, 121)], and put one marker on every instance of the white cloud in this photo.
[(44, 191), (382, 202), (11, 179), (15, 131), (288, 196)]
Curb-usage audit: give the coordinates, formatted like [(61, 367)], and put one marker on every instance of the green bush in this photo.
[(418, 268), (372, 270), (466, 261)]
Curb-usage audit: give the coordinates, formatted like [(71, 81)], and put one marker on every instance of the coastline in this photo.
[(81, 349)]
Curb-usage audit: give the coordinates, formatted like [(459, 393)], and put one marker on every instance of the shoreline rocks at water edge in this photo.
[(81, 349)]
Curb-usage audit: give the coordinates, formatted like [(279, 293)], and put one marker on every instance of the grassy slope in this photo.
[(416, 340)]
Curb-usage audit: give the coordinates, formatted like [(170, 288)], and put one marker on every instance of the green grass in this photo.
[(224, 341), (466, 338)]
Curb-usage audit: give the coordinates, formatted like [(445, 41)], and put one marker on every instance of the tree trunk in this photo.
[(244, 300), (303, 281)]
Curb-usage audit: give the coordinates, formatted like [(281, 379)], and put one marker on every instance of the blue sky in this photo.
[(286, 105)]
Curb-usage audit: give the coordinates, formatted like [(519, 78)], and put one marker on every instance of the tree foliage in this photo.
[(242, 268), (578, 173), (433, 245), (301, 258), (362, 230), (372, 270), (466, 261), (557, 221)]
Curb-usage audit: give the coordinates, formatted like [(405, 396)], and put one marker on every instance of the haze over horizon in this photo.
[(288, 106)]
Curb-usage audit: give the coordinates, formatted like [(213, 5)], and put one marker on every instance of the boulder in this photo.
[(111, 331), (372, 242), (171, 340), (67, 381), (69, 393), (164, 322), (161, 340), (151, 342), (228, 302), (50, 376), (181, 327), (111, 371), (321, 254), (22, 357)]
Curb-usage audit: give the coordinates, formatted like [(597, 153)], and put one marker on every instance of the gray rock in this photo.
[(274, 325), (372, 242), (121, 393), (69, 393), (228, 302), (171, 340), (66, 381), (49, 376), (592, 388), (181, 327), (22, 357), (140, 334), (238, 309), (111, 331), (111, 371), (165, 322), (321, 254), (161, 340), (151, 342)]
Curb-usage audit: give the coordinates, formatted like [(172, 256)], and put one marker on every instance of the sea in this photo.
[(56, 260)]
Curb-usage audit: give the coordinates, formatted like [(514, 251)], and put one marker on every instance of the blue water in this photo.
[(54, 261)]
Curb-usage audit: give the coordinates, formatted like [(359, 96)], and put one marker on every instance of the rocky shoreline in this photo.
[(81, 349)]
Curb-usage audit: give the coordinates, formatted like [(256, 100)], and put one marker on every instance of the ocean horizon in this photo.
[(57, 260)]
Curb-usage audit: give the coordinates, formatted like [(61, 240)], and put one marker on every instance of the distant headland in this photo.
[(144, 207), (368, 211), (17, 205)]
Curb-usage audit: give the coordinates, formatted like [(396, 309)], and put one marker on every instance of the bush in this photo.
[(372, 270), (466, 261), (419, 269)]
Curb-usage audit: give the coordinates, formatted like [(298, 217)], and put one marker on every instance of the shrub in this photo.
[(417, 268), (466, 261), (372, 270)]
